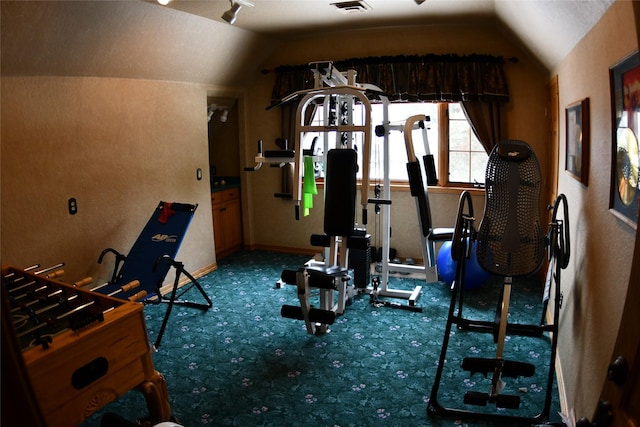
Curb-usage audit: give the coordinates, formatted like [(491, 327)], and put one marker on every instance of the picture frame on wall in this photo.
[(624, 198), (577, 140)]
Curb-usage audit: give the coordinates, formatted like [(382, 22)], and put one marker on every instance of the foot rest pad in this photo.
[(501, 400), (508, 368), (316, 315), (327, 277), (288, 277), (319, 277)]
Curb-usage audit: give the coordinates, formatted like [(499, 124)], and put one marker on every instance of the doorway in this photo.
[(224, 149), (224, 167)]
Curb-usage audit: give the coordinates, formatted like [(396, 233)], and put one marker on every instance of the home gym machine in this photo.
[(417, 174), (339, 131), (336, 93)]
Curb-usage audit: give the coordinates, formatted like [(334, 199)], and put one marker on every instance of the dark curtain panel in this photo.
[(485, 120), (438, 78), (478, 81)]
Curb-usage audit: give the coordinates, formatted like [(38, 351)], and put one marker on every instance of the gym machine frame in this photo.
[(341, 94), (419, 192)]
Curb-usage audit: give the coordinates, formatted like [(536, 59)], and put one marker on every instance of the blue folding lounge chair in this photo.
[(139, 275)]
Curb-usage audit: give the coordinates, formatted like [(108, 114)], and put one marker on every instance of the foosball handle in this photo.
[(137, 296), (84, 282), (57, 273), (131, 285)]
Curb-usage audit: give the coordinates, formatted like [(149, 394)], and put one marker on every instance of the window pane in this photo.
[(459, 138), (456, 113), (478, 166), (398, 114), (467, 157), (459, 166), (475, 143)]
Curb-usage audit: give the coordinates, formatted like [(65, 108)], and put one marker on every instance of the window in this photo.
[(467, 157), (459, 157)]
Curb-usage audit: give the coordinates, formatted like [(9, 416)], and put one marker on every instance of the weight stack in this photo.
[(360, 258)]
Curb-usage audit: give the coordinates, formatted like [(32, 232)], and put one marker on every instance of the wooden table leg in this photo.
[(156, 395)]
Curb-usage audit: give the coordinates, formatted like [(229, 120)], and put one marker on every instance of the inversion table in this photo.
[(510, 244)]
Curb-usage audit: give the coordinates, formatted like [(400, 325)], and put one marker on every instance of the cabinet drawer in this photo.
[(225, 195), (230, 194)]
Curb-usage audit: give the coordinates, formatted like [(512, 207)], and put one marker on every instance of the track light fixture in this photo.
[(419, 2), (213, 108), (164, 2), (232, 14)]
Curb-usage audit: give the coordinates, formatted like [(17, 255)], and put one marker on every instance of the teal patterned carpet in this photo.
[(242, 364)]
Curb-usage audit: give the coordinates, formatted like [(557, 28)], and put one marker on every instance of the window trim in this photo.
[(443, 160), (444, 151)]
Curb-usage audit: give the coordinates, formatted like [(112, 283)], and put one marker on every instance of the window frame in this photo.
[(442, 166), (444, 151)]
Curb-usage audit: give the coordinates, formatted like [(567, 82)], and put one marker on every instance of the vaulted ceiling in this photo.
[(188, 41), (548, 28)]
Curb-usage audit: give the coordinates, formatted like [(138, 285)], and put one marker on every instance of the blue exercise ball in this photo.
[(476, 276)]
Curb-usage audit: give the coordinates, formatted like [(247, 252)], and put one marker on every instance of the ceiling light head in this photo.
[(163, 2), (419, 2), (213, 108), (348, 7), (211, 111), (232, 14)]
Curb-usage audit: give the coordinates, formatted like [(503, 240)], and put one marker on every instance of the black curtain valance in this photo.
[(426, 78)]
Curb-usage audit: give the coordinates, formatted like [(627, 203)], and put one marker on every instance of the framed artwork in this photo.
[(625, 161), (577, 158)]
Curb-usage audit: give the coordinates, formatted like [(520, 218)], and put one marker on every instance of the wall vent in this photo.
[(352, 6)]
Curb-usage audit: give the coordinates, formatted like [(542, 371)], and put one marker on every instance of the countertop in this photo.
[(220, 183)]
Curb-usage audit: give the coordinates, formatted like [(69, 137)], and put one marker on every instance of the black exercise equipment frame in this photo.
[(557, 242)]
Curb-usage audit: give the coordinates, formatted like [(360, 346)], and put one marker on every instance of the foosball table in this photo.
[(81, 349)]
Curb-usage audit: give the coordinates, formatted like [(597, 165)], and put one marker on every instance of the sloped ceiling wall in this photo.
[(547, 28), (550, 29), (126, 39), (141, 39)]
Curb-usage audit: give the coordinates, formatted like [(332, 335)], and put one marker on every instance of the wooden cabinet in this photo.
[(227, 221)]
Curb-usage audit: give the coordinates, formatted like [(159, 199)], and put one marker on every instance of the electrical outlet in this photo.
[(73, 206)]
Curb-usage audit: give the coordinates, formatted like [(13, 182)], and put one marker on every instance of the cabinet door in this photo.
[(218, 227), (233, 224)]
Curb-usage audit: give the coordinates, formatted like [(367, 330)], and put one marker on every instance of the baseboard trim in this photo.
[(166, 288), (562, 391), (283, 249)]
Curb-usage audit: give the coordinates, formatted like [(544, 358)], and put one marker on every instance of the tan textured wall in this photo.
[(119, 132), (273, 220), (596, 280), (118, 147)]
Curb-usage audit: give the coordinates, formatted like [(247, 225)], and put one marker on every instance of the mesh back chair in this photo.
[(139, 275), (510, 243)]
